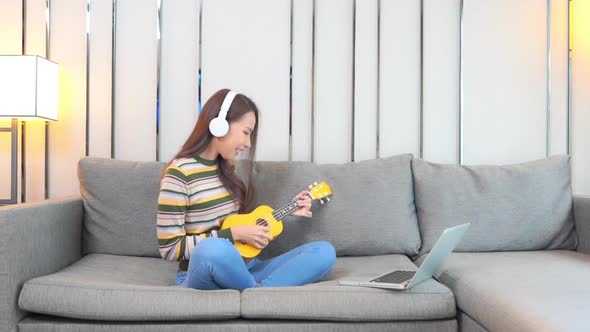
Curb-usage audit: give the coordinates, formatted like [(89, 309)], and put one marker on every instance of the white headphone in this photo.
[(219, 125)]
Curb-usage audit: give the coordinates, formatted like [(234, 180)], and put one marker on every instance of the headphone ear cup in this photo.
[(218, 127)]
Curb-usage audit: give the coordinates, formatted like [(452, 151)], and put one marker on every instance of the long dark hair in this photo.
[(200, 138)]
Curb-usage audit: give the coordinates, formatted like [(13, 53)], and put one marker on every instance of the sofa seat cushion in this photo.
[(326, 300), (123, 288), (522, 291)]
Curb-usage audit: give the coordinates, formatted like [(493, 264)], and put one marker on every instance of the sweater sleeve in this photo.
[(173, 241)]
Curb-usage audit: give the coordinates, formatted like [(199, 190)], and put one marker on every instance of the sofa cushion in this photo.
[(522, 291), (526, 206), (326, 300), (120, 206), (371, 211), (123, 288)]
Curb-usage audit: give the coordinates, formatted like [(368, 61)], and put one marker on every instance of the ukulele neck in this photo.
[(286, 210)]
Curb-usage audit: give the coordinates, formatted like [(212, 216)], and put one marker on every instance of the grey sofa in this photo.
[(90, 262)]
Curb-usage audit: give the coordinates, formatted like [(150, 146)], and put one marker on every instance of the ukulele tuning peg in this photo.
[(310, 186), (322, 201), (315, 183), (328, 199)]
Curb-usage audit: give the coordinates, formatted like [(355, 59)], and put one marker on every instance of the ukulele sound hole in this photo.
[(261, 222)]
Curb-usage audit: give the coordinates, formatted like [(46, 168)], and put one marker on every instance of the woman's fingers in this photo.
[(259, 242)]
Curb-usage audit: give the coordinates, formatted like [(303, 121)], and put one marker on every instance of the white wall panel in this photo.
[(135, 80), (505, 81), (179, 66), (11, 23), (34, 135), (581, 96), (100, 78), (332, 127), (441, 81), (247, 49), (302, 80), (399, 104), (35, 42), (559, 76), (67, 135), (365, 80), (36, 28)]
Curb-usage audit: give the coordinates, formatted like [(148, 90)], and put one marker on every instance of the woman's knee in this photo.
[(213, 248), (325, 253)]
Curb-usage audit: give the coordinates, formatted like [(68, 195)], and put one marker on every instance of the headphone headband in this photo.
[(229, 98)]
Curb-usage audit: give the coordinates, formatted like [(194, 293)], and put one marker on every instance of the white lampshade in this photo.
[(28, 87)]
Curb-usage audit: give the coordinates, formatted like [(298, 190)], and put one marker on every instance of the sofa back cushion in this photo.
[(524, 206), (371, 211), (120, 206)]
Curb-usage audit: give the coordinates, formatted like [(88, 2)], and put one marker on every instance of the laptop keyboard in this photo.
[(395, 277)]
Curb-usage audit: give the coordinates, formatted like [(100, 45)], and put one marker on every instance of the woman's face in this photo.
[(239, 137)]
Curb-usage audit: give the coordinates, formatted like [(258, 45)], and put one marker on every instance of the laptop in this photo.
[(399, 279)]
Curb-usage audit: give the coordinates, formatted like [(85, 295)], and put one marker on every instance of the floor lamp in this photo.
[(28, 92)]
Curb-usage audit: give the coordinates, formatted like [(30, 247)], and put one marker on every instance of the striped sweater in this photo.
[(192, 205)]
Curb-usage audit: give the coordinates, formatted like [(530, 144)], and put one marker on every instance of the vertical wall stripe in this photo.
[(400, 78), (100, 62), (301, 79), (200, 73), (377, 126), (291, 81), (68, 134), (421, 127), (113, 72), (24, 27), (440, 83), (47, 55), (158, 109), (352, 92), (11, 27), (136, 75), (313, 85), (558, 77), (88, 22), (333, 81), (178, 75), (365, 84), (461, 65), (548, 100), (569, 79), (23, 155), (33, 147)]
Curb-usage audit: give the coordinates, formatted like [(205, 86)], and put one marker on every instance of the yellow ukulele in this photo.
[(265, 216)]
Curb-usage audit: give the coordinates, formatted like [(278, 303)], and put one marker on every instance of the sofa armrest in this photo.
[(582, 218), (35, 239)]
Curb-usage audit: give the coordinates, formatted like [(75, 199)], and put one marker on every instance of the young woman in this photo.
[(200, 188)]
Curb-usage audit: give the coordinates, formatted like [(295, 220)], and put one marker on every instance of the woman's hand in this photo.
[(304, 202), (254, 235)]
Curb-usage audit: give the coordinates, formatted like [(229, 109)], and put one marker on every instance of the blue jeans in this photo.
[(216, 264)]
